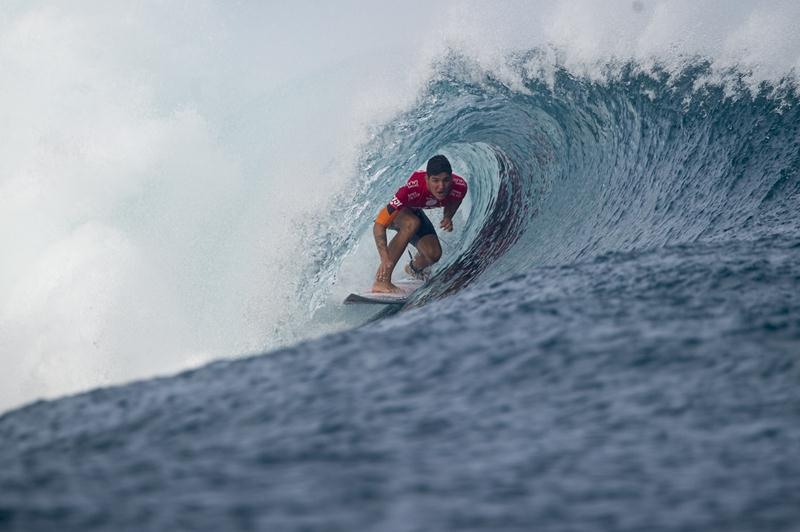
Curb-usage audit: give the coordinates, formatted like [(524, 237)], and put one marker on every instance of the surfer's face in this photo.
[(440, 184)]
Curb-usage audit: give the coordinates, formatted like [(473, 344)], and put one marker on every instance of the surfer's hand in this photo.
[(447, 224), (384, 274)]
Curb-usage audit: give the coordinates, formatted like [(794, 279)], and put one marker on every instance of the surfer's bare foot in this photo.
[(381, 287)]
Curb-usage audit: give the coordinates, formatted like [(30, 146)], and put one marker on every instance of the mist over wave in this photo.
[(164, 164)]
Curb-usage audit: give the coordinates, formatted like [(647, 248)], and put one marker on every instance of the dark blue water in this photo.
[(611, 343)]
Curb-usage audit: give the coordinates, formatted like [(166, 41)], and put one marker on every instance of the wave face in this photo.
[(609, 343), (569, 170), (635, 163)]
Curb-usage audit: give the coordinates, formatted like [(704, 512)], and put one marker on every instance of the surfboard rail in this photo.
[(408, 287)]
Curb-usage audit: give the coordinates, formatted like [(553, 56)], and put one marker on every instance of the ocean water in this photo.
[(610, 341)]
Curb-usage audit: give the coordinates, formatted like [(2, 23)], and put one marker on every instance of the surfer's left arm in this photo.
[(447, 218)]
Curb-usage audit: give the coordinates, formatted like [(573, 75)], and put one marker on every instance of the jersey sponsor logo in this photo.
[(412, 183), (413, 195), (458, 181), (395, 203)]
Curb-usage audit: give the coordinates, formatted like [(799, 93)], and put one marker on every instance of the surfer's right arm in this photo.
[(384, 219), (379, 232)]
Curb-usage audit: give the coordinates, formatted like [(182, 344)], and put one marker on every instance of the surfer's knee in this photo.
[(435, 253), (430, 247), (408, 223)]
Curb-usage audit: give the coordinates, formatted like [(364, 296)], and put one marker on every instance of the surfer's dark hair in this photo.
[(438, 164)]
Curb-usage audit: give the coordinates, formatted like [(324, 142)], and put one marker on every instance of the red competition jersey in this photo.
[(415, 195)]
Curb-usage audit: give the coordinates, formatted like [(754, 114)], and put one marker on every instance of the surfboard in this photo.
[(373, 298)]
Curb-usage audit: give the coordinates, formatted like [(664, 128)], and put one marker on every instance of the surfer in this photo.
[(436, 187)]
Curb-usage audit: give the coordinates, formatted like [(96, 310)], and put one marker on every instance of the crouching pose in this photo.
[(437, 187)]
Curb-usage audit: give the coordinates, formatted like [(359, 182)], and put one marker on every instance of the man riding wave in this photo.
[(436, 187)]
